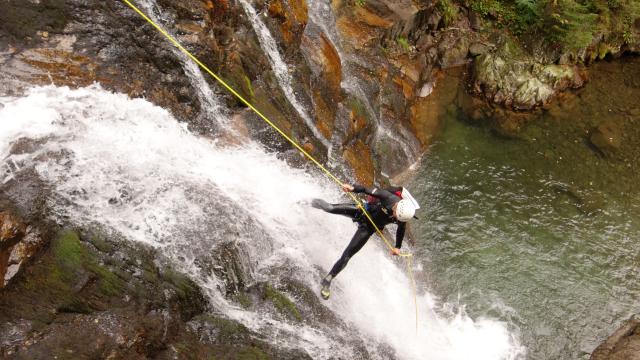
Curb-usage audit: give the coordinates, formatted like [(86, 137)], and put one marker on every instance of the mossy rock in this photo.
[(282, 303), (252, 353), (73, 260)]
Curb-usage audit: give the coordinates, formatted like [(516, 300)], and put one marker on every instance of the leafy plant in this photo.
[(403, 42), (361, 3), (449, 11), (569, 24)]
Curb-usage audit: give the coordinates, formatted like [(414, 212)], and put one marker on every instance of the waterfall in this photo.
[(210, 106), (131, 168), (280, 68), (322, 19)]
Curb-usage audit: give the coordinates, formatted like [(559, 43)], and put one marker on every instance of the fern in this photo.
[(570, 24), (528, 10)]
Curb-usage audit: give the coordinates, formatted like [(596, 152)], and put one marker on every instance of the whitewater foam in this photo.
[(131, 167)]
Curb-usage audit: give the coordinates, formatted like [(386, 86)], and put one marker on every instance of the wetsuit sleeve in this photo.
[(400, 234), (381, 194)]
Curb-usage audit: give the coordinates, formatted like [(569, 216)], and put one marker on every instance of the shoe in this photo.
[(321, 204), (325, 291)]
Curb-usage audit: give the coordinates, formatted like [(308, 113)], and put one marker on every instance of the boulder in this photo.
[(511, 77), (478, 49), (606, 137), (623, 344), (453, 50)]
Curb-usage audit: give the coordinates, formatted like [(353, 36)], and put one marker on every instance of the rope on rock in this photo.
[(408, 256)]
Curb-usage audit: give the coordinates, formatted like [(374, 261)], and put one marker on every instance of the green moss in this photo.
[(183, 286), (282, 302), (69, 254), (73, 258), (109, 283), (358, 108), (252, 353), (244, 300), (229, 329), (76, 305), (248, 86), (101, 244)]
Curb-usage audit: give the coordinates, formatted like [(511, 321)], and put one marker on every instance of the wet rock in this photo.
[(291, 16), (453, 50), (18, 244), (233, 267), (74, 285), (510, 77), (433, 21), (475, 20), (606, 138), (589, 203), (623, 344), (326, 69), (478, 49), (425, 42), (368, 17)]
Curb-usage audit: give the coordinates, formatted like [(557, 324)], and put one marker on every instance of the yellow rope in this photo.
[(290, 140)]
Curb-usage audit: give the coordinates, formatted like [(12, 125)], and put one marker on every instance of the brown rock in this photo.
[(10, 228), (292, 16), (606, 138), (623, 344), (368, 18), (11, 232), (358, 155), (478, 49)]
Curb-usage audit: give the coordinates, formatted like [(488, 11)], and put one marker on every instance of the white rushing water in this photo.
[(129, 166)]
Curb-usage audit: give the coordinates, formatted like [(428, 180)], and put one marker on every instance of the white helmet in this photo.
[(405, 210)]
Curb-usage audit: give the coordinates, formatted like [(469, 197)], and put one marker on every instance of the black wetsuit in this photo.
[(381, 213)]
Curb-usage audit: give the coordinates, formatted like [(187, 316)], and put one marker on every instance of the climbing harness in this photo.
[(407, 256)]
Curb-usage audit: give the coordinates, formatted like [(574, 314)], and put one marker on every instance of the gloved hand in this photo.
[(347, 187)]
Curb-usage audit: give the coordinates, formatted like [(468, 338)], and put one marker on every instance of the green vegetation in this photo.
[(403, 42), (184, 287), (252, 353), (565, 24), (569, 24), (361, 3), (449, 11), (282, 302), (244, 300), (248, 86), (358, 108), (73, 258)]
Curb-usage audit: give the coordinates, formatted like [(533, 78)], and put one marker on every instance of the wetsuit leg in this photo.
[(348, 210), (360, 238)]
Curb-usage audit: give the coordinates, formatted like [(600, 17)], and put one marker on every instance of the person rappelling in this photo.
[(385, 206)]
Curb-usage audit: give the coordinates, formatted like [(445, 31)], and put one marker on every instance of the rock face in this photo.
[(18, 244), (510, 77), (126, 305), (624, 344)]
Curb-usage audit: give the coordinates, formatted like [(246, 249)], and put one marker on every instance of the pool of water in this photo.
[(542, 229)]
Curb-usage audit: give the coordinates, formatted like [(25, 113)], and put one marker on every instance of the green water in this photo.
[(541, 231)]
